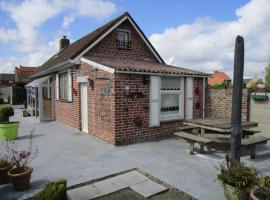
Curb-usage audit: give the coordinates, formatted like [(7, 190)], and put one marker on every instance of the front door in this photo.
[(84, 107)]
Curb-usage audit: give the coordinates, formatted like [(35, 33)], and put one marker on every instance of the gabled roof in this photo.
[(218, 78), (79, 46), (127, 65)]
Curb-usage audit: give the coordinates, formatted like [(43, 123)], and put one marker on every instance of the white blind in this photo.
[(154, 101), (57, 86)]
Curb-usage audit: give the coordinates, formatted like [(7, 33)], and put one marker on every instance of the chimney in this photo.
[(64, 42)]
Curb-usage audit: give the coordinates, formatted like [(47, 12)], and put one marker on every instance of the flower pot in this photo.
[(232, 193), (20, 178), (253, 196), (4, 178), (9, 131)]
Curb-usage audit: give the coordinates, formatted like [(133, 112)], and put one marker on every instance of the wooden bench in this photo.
[(252, 142), (248, 132), (187, 128), (218, 138), (191, 139)]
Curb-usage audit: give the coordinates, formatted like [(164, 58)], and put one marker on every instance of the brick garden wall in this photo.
[(219, 103)]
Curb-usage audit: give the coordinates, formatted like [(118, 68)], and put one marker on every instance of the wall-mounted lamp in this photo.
[(91, 83), (146, 80)]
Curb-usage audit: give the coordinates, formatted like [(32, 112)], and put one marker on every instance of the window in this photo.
[(171, 102), (46, 91), (123, 39), (63, 86)]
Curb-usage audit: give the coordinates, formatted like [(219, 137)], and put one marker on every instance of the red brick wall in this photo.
[(107, 47), (68, 112), (128, 108), (101, 107), (197, 98), (219, 103)]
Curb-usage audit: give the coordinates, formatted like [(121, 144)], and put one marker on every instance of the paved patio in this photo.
[(70, 154)]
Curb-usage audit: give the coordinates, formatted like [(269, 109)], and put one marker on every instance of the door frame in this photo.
[(84, 97)]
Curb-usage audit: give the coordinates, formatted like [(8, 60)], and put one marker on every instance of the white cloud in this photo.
[(208, 44), (67, 21), (28, 17)]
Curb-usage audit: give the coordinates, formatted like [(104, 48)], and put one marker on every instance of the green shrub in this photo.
[(220, 86), (5, 113), (267, 181), (262, 193), (52, 191)]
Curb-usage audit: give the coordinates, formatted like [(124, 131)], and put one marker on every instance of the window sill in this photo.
[(173, 118), (64, 101), (124, 48)]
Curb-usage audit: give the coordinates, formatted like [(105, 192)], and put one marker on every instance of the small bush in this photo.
[(52, 191), (5, 113), (220, 86)]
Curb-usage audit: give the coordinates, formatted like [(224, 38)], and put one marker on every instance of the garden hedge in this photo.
[(52, 191)]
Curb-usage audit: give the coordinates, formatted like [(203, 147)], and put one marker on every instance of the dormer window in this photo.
[(123, 39)]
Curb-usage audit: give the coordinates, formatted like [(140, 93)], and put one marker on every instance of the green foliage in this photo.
[(52, 191), (3, 163), (238, 175), (267, 75), (5, 113), (267, 181), (262, 193), (220, 86), (19, 94)]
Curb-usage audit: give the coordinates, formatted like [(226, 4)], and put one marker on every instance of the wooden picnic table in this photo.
[(218, 125)]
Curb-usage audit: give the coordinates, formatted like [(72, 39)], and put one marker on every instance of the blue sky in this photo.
[(188, 33)]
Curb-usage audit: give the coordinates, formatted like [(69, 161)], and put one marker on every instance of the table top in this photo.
[(223, 125)]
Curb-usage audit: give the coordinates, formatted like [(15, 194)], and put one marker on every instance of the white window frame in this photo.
[(181, 93), (68, 85)]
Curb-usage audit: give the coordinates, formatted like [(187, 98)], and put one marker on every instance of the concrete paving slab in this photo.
[(148, 188), (110, 185), (84, 193), (165, 159), (132, 178)]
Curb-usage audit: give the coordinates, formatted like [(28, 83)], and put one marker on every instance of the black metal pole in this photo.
[(236, 119)]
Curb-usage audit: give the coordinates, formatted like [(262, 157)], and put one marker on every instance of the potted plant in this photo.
[(5, 166), (8, 130), (237, 179), (20, 174), (262, 192)]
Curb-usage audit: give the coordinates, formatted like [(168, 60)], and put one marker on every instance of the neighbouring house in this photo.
[(113, 84), (22, 77), (254, 82), (23, 74), (6, 83), (219, 78)]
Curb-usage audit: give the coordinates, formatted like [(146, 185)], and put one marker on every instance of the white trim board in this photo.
[(97, 65), (76, 60)]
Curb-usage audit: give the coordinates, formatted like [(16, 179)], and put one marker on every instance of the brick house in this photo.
[(23, 74), (113, 84), (219, 78)]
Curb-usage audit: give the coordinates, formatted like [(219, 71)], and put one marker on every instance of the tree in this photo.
[(267, 75)]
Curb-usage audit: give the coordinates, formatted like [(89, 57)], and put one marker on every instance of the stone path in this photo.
[(135, 180)]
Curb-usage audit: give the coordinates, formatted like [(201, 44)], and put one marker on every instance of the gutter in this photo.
[(161, 74), (60, 66), (203, 97)]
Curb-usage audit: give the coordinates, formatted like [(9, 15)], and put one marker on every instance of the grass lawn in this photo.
[(4, 105), (128, 193)]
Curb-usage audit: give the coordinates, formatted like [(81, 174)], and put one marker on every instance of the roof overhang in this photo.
[(112, 70), (54, 69), (38, 82)]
